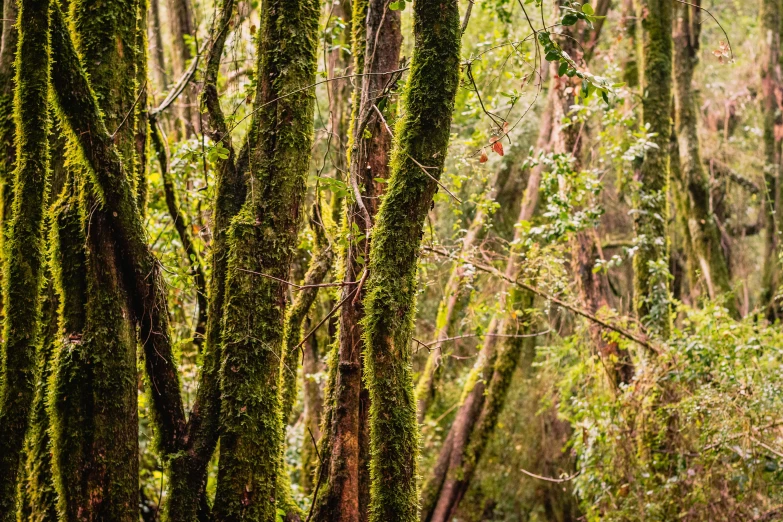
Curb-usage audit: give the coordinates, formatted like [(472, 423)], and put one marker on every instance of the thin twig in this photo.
[(320, 475), (467, 16), (330, 314), (541, 293), (298, 287), (179, 87), (422, 167), (467, 336), (728, 42), (549, 479), (132, 108)]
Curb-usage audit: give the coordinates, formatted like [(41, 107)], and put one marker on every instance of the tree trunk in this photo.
[(376, 48), (771, 91), (313, 406), (183, 29), (25, 249), (447, 483), (187, 472), (704, 233), (651, 262), (103, 482), (156, 37), (261, 240), (421, 145)]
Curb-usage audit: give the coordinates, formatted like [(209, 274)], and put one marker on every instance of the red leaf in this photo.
[(498, 147), (484, 158)]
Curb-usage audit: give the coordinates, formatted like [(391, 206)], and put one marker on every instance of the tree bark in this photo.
[(261, 239), (103, 482), (8, 46), (376, 48), (650, 263), (422, 139), (25, 250)]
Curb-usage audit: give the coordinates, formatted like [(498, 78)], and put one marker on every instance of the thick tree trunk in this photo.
[(771, 91), (261, 239), (651, 262), (421, 145), (377, 40), (24, 263), (704, 233), (103, 483)]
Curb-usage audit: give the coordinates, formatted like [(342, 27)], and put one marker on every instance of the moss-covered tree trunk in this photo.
[(187, 469), (261, 239), (651, 261), (703, 230), (376, 48), (24, 251), (771, 85), (422, 139), (102, 483)]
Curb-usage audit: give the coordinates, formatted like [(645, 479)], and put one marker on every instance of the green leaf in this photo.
[(398, 5), (552, 56), (588, 9), (569, 19), (562, 69)]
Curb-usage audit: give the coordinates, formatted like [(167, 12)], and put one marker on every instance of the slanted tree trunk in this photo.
[(651, 262), (704, 234), (453, 300), (24, 252), (771, 91), (261, 239), (376, 48), (448, 481), (422, 139)]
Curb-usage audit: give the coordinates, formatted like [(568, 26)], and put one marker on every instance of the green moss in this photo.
[(651, 275), (261, 238), (23, 252), (422, 134)]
